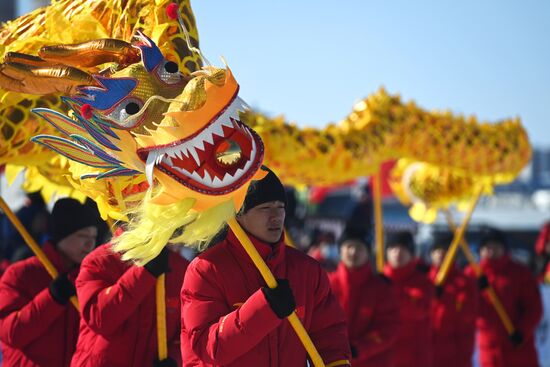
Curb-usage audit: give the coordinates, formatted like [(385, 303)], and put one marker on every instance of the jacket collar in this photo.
[(435, 269), (496, 264), (55, 257), (355, 276), (272, 254), (403, 272)]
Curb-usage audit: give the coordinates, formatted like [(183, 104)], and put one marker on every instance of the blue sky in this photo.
[(311, 60)]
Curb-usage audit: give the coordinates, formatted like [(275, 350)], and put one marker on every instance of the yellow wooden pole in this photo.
[(499, 308), (161, 318), (458, 235), (272, 283), (32, 244), (378, 222)]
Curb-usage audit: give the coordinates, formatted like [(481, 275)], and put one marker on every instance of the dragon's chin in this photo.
[(216, 160)]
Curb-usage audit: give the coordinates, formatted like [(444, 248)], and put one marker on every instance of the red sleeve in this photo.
[(105, 304), (466, 327), (328, 329), (383, 329), (24, 317), (216, 334), (530, 304)]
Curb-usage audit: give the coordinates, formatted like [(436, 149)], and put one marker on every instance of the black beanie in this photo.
[(263, 191), (402, 238), (69, 216), (354, 234), (489, 234), (442, 241)]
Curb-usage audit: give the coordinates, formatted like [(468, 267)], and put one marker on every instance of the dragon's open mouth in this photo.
[(216, 160)]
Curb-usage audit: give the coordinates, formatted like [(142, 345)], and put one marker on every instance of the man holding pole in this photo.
[(118, 326), (517, 289), (231, 318), (38, 324), (454, 311)]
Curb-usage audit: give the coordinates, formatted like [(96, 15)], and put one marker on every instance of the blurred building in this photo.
[(535, 176), (7, 10)]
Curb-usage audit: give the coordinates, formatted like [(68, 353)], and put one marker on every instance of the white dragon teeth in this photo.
[(199, 144), (195, 155), (206, 136), (207, 179), (216, 182), (230, 118), (179, 154), (217, 129), (149, 166)]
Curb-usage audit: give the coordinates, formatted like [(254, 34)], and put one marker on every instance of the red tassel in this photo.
[(86, 111), (172, 11)]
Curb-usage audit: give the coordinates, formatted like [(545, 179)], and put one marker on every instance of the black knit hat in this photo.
[(69, 216), (263, 191), (441, 241), (354, 234), (402, 238), (489, 234)]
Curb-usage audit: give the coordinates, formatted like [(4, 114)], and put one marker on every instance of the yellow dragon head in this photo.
[(141, 116)]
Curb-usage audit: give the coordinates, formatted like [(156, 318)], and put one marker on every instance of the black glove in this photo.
[(61, 289), (354, 353), (516, 338), (168, 362), (159, 265), (482, 282), (280, 299)]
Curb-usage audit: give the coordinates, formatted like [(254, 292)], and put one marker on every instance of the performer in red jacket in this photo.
[(369, 302), (415, 291), (38, 325), (454, 311), (518, 291), (118, 311), (231, 318)]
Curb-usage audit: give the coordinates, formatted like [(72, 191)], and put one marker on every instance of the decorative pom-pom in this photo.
[(172, 11), (86, 111)]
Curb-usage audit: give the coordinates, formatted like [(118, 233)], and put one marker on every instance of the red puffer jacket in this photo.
[(372, 310), (35, 330), (518, 291), (453, 320), (415, 292), (227, 320), (117, 302)]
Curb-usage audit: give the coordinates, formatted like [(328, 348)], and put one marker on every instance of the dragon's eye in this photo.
[(123, 113), (169, 73)]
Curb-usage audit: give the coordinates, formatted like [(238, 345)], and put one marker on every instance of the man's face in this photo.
[(353, 254), (398, 256), (492, 250), (265, 221), (78, 244), (437, 256)]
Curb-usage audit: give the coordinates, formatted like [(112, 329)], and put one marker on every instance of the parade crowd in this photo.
[(101, 311)]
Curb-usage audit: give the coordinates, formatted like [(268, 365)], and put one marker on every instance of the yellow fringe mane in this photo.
[(154, 226)]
